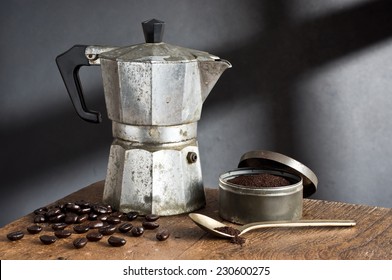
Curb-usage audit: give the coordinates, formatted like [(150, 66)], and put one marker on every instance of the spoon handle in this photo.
[(301, 223)]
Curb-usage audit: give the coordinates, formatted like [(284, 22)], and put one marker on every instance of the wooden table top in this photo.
[(371, 238)]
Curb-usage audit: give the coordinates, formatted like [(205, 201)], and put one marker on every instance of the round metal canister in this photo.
[(241, 205)]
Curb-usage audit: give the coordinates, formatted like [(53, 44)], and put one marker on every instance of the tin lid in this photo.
[(275, 161)]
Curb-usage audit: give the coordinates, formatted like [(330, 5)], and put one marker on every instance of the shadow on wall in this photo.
[(269, 66)]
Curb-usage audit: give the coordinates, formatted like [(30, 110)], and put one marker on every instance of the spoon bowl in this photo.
[(210, 225)]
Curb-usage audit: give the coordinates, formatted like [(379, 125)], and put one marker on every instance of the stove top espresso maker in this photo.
[(154, 94)]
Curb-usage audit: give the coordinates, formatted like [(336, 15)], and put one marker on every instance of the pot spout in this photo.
[(210, 71)]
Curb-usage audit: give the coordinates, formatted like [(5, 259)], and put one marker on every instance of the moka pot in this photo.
[(154, 94)]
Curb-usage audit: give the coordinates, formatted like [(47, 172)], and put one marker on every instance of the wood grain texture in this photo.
[(371, 238)]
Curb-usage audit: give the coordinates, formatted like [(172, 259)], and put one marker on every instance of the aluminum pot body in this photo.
[(241, 205)]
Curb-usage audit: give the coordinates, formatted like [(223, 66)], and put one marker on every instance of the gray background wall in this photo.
[(310, 79)]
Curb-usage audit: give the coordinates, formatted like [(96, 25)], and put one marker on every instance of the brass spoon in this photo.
[(209, 225)]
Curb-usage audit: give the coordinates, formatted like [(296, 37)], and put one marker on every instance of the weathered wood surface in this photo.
[(371, 238)]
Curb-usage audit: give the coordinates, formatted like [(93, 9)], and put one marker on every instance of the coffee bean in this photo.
[(100, 209), (70, 218), (116, 241), (150, 225), (47, 239), (109, 207), (107, 230), (113, 220), (61, 207), (137, 231), (151, 217), (34, 229), (95, 224), (92, 216), (72, 207), (103, 217), (94, 236), (125, 227), (162, 234), (57, 218), (16, 235), (81, 218), (58, 226), (39, 219), (53, 212), (83, 204), (41, 210), (117, 214), (62, 233), (132, 215), (81, 228), (85, 210), (80, 242)]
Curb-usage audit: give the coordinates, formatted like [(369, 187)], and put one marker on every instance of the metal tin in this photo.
[(241, 205), (275, 161)]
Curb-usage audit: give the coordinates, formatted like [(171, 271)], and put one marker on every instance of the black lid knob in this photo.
[(153, 30)]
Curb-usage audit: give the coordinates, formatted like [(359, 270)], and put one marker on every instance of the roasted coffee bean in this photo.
[(151, 217), (41, 210), (58, 226), (95, 224), (34, 229), (39, 219), (72, 207), (107, 230), (85, 210), (61, 207), (80, 242), (137, 231), (125, 227), (113, 220), (150, 225), (162, 234), (117, 214), (53, 212), (47, 239), (92, 216), (81, 228), (83, 204), (94, 236), (62, 233), (116, 241), (70, 218), (81, 218), (132, 215), (103, 217), (100, 209), (16, 235), (57, 218)]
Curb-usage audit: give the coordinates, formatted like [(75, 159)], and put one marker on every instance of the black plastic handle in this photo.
[(69, 64)]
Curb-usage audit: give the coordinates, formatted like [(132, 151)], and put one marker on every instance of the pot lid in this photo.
[(276, 161), (154, 50)]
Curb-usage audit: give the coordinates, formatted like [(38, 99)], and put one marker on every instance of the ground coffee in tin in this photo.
[(260, 181)]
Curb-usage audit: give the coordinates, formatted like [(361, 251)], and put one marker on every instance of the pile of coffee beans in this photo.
[(92, 219)]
